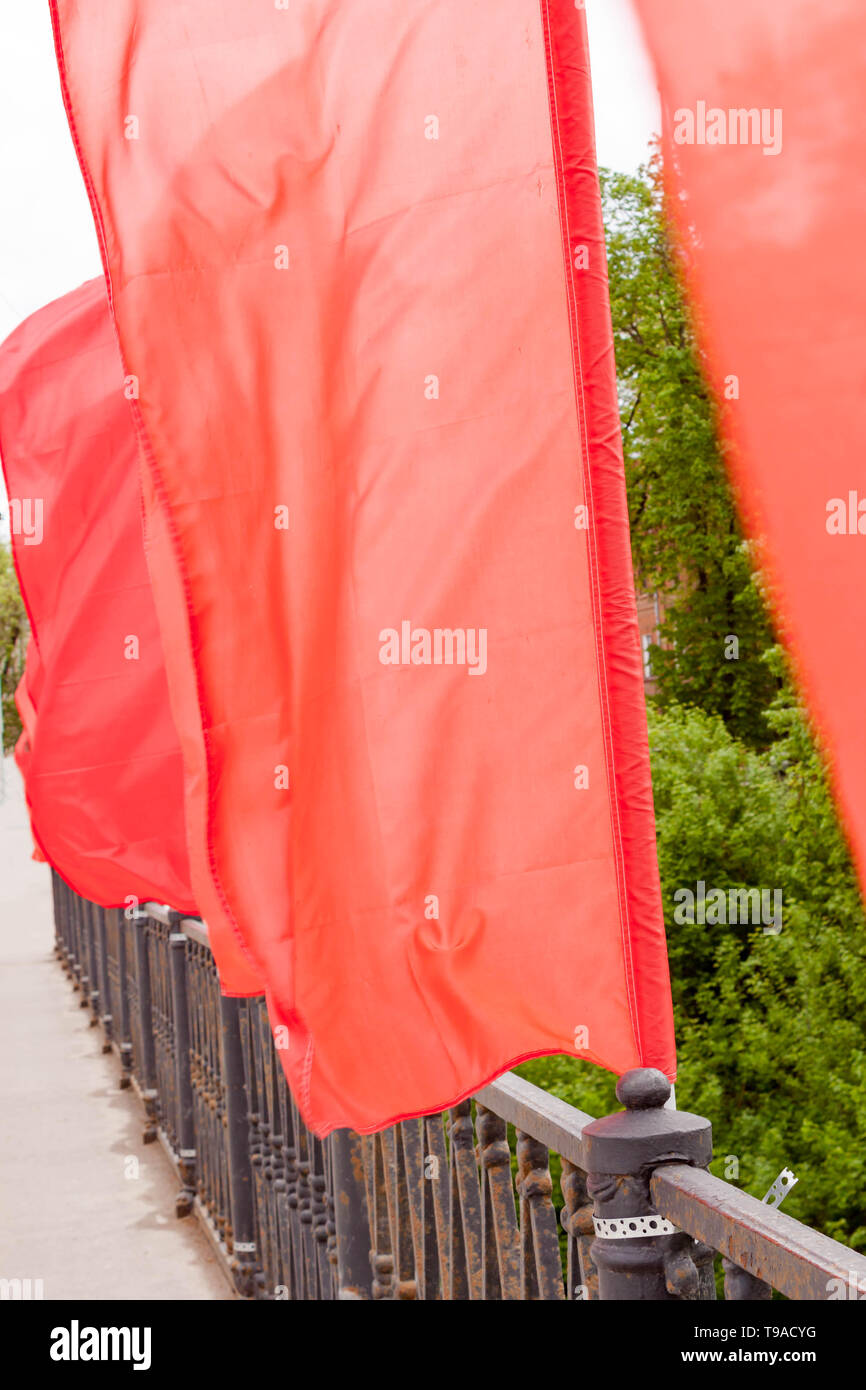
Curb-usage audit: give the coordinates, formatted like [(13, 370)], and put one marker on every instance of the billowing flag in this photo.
[(764, 114), (356, 265), (99, 753)]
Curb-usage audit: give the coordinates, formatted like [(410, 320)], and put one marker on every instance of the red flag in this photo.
[(764, 113), (99, 753), (356, 261)]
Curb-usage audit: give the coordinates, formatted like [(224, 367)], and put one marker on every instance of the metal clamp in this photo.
[(632, 1227)]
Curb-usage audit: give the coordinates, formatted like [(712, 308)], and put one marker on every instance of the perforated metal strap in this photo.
[(776, 1194), (631, 1227)]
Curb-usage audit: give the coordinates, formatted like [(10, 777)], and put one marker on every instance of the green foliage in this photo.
[(686, 540), (13, 641)]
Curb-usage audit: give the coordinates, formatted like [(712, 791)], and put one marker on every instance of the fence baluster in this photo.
[(186, 1147), (243, 1249), (464, 1258), (354, 1270), (500, 1237), (144, 1047), (541, 1265), (581, 1273)]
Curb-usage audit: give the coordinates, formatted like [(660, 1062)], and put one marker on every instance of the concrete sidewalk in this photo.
[(84, 1205)]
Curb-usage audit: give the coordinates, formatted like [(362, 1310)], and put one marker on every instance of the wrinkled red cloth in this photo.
[(99, 753), (764, 116), (356, 261)]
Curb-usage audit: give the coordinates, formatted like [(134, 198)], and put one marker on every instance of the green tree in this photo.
[(13, 641), (686, 540)]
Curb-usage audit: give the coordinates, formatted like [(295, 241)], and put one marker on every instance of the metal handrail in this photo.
[(765, 1242)]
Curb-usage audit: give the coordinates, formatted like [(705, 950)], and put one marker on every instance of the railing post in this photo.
[(94, 996), (237, 1148), (80, 962), (144, 1050), (106, 1017), (64, 900), (638, 1254), (354, 1272), (186, 1154), (123, 1029), (61, 944)]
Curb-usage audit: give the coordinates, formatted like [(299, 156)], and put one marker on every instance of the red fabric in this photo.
[(428, 387), (24, 701), (26, 738), (778, 275), (99, 753)]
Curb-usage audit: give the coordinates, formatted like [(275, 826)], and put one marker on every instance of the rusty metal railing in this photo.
[(510, 1195)]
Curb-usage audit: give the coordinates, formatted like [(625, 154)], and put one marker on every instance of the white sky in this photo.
[(627, 105), (47, 242)]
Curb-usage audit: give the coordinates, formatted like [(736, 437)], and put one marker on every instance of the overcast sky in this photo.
[(47, 242)]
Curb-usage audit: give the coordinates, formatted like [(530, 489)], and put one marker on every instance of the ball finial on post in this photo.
[(643, 1088), (638, 1253)]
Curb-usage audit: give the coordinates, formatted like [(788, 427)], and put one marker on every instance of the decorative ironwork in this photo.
[(459, 1206)]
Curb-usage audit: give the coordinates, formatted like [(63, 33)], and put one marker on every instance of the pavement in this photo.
[(85, 1207)]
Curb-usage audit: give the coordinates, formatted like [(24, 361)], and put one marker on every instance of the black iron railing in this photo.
[(455, 1206)]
